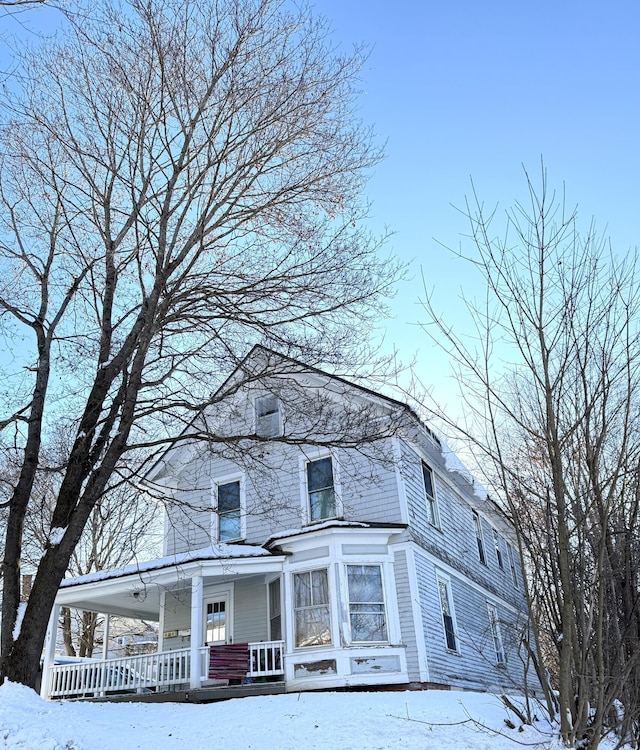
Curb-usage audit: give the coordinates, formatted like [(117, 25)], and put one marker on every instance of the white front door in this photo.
[(217, 620)]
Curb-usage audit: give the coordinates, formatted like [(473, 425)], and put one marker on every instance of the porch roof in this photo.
[(134, 590)]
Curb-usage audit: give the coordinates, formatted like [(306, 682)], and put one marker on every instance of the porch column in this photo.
[(49, 649), (105, 637), (195, 680)]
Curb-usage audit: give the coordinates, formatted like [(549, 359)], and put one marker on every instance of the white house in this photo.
[(300, 555)]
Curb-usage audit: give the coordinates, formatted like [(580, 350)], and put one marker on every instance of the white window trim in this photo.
[(347, 599), (498, 549), (435, 521), (310, 457), (447, 580), (215, 519), (331, 604), (513, 565), (255, 413), (478, 535), (494, 622)]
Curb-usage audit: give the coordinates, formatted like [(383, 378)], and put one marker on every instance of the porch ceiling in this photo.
[(138, 595)]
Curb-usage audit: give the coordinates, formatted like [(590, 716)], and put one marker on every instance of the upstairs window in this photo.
[(366, 603), (496, 541), (430, 494), (512, 565), (320, 490), (229, 511), (311, 615), (267, 416), (446, 606), (496, 634), (477, 525)]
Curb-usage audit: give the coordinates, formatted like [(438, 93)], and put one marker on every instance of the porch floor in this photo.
[(201, 695)]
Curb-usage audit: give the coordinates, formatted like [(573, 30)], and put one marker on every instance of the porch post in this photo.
[(105, 637), (49, 650), (195, 680)]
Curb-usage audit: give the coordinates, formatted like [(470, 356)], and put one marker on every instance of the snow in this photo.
[(315, 527), (317, 721), (213, 552), (55, 535), (18, 624)]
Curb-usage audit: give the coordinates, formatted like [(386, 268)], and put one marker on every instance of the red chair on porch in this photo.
[(229, 661)]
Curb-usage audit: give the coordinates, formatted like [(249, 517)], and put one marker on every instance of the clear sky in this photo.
[(463, 88)]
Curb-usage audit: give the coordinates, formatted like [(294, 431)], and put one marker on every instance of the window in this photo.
[(429, 491), (512, 565), (322, 496), (366, 603), (496, 634), (275, 617), (267, 416), (446, 606), (312, 620), (496, 541), (229, 511), (478, 527)]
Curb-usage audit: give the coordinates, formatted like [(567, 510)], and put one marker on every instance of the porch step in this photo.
[(201, 695)]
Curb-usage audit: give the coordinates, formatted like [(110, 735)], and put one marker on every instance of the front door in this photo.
[(217, 623)]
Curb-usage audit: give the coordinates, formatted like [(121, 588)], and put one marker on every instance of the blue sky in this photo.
[(462, 89)]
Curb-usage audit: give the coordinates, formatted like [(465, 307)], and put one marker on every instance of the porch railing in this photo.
[(151, 672)]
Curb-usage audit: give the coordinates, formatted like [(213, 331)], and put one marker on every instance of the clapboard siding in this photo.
[(405, 610)]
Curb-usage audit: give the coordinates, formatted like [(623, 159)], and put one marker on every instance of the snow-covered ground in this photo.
[(438, 720)]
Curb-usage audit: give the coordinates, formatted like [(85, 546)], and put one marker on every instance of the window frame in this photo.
[(443, 583), (431, 501), (312, 606), (496, 634), (219, 482), (499, 555), (382, 603), (512, 565), (260, 416), (305, 462), (477, 526)]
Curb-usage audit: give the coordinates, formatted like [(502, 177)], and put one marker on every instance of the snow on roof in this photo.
[(453, 463), (213, 552)]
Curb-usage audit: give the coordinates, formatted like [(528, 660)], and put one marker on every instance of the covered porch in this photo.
[(219, 623)]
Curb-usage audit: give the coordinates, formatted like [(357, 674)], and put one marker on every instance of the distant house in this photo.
[(302, 565)]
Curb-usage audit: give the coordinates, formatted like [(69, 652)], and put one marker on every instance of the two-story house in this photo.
[(325, 538)]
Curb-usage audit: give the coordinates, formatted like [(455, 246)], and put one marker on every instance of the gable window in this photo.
[(267, 409), (446, 606), (229, 511), (496, 634), (311, 616), (496, 541), (366, 603), (512, 564), (478, 529), (430, 494), (321, 490)]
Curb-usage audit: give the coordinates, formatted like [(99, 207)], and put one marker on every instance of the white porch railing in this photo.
[(151, 672)]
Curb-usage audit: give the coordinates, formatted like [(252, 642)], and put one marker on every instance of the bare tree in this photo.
[(178, 181), (563, 435)]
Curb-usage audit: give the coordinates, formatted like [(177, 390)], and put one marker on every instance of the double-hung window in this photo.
[(496, 634), (430, 494), (311, 614), (267, 414), (320, 490), (496, 541), (229, 511), (366, 603), (477, 525), (512, 564), (448, 621)]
